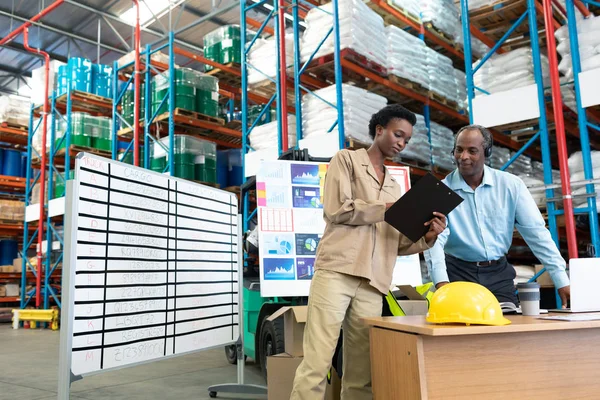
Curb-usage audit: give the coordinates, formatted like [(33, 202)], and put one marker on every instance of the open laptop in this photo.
[(585, 277)]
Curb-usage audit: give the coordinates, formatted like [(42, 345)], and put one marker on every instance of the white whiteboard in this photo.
[(153, 267), (290, 226)]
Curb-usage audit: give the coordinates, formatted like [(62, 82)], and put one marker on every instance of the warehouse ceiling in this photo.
[(95, 29)]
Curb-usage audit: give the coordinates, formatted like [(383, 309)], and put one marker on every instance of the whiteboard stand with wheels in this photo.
[(152, 270)]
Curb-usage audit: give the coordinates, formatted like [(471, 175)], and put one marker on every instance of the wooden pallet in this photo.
[(226, 77), (442, 100), (515, 126), (85, 102), (415, 87), (322, 68), (234, 124), (73, 151), (11, 123), (354, 144), (267, 89), (392, 95), (390, 19), (199, 116)]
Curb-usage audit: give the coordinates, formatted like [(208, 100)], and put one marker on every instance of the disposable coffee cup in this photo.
[(529, 297)]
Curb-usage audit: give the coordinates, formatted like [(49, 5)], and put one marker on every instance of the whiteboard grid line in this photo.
[(83, 302), (140, 246), (156, 260), (157, 311), (149, 271), (142, 196), (129, 207), (174, 301), (105, 265), (84, 215), (133, 328), (148, 235), (109, 175), (89, 348), (206, 198)]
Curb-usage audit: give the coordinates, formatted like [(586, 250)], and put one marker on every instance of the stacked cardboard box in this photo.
[(12, 210)]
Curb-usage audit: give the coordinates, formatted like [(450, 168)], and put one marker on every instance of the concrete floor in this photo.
[(30, 364)]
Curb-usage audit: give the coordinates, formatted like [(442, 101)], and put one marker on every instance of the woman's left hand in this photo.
[(436, 226)]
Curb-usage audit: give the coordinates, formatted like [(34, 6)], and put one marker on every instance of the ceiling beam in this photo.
[(21, 49)]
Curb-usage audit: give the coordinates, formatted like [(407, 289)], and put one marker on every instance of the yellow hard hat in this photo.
[(466, 303)]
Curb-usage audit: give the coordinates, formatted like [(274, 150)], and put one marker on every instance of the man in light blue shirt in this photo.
[(480, 230)]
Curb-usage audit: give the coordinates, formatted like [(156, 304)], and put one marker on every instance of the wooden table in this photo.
[(528, 359)]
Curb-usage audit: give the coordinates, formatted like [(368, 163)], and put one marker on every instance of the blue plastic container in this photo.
[(222, 166), (61, 80), (80, 77), (102, 80), (1, 161), (11, 163), (24, 165), (9, 250), (235, 172)]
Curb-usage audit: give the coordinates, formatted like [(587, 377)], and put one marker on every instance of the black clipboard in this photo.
[(409, 214)]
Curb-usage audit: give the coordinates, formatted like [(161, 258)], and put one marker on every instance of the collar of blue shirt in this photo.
[(456, 182)]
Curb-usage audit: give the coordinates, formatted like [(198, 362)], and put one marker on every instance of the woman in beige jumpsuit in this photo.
[(356, 258)]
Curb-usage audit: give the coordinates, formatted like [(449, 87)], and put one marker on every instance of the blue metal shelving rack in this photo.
[(584, 125)]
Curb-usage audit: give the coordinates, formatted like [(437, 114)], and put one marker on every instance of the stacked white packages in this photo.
[(266, 136), (263, 58), (14, 110), (418, 147), (478, 48), (361, 30), (499, 157), (588, 35), (442, 143), (567, 91), (577, 175), (443, 14), (411, 6), (441, 75), (405, 56), (520, 166), (461, 88), (359, 105), (509, 71)]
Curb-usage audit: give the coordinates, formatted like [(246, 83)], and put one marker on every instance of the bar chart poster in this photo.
[(290, 226), (290, 220)]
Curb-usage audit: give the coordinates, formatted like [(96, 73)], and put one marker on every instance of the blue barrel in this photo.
[(1, 161), (81, 74), (61, 80), (9, 250), (24, 165), (102, 80), (11, 163)]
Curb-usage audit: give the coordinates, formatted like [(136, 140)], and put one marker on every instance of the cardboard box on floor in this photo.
[(281, 370), (416, 303), (294, 321), (544, 280)]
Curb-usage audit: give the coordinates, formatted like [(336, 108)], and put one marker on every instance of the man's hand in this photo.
[(440, 284), (565, 295), (436, 226)]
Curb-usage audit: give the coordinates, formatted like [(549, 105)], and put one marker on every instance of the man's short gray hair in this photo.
[(488, 139)]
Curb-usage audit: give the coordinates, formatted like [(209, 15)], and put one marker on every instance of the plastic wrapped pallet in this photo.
[(509, 71), (266, 136), (38, 82), (461, 88), (443, 14), (410, 6), (263, 58), (478, 48), (442, 143), (223, 45), (418, 147), (499, 157), (359, 105), (520, 166), (358, 26), (405, 56), (578, 175), (14, 110), (441, 75), (567, 91), (588, 35)]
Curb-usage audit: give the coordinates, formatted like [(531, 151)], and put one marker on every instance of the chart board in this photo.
[(152, 264), (290, 226)]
